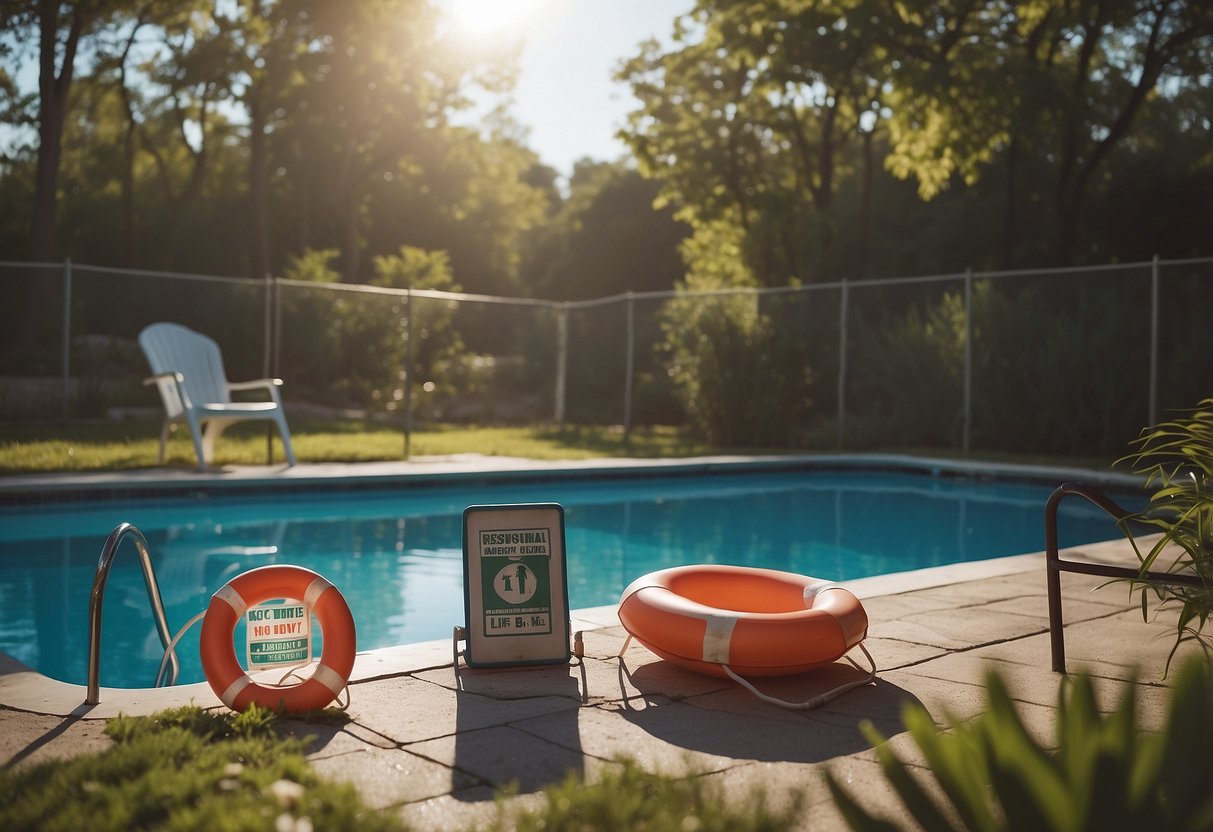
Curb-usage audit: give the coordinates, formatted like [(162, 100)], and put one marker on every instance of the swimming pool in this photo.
[(396, 554)]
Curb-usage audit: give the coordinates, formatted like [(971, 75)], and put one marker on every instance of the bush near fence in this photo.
[(1066, 361)]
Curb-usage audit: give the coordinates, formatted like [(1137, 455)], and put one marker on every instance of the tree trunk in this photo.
[(1010, 230), (53, 90), (349, 251), (258, 186), (865, 208)]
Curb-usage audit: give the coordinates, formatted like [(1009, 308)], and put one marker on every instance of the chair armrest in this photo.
[(174, 375), (178, 380), (268, 383)]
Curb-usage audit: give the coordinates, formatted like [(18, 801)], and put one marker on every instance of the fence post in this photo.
[(631, 362), (842, 363), (276, 363), (408, 370), (562, 361), (968, 382), (1153, 408), (67, 337)]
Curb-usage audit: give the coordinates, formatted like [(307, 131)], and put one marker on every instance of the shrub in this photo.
[(1177, 459), (910, 371), (1105, 774), (742, 382)]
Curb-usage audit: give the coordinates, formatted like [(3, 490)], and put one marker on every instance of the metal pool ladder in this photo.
[(115, 539)]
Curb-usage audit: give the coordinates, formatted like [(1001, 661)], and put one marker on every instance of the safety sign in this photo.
[(515, 589), (278, 635)]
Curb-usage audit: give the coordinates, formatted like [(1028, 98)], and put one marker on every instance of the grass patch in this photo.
[(630, 798), (117, 446), (120, 446), (189, 769), (185, 769)]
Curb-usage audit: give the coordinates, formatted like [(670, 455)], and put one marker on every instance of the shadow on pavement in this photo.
[(501, 755), (732, 722)]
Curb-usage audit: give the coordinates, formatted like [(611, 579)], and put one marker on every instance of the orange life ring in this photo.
[(223, 672), (758, 622)]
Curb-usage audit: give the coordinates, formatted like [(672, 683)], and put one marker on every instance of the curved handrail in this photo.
[(1055, 563), (120, 533)]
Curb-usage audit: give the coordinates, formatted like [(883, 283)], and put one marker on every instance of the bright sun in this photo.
[(483, 18)]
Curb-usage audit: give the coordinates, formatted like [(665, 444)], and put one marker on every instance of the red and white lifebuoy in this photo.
[(228, 679), (757, 622)]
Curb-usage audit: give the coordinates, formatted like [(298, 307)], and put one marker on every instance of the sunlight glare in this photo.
[(488, 18)]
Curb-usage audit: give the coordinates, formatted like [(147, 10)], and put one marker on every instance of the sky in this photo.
[(565, 94)]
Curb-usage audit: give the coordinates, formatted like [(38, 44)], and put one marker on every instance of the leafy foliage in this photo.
[(910, 370), (742, 380), (606, 237), (990, 773), (358, 342), (794, 118), (1177, 459)]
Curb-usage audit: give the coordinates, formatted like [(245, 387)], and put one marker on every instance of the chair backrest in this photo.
[(175, 348)]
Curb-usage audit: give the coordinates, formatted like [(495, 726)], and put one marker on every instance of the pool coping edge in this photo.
[(24, 689)]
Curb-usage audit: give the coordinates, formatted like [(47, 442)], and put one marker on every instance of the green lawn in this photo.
[(119, 446), (115, 446)]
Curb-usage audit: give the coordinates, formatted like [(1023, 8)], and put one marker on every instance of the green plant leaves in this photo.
[(1105, 773)]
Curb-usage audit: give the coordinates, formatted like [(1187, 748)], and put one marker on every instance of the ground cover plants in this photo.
[(1098, 772), (189, 769), (629, 798), (185, 769)]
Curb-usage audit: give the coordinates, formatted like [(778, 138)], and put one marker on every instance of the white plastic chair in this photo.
[(188, 368)]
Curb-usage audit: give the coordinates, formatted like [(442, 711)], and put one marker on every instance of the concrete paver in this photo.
[(504, 755), (29, 739), (392, 776)]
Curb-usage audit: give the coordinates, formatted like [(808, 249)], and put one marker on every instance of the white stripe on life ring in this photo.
[(330, 678), (233, 690), (234, 599), (716, 637), (813, 590), (314, 590)]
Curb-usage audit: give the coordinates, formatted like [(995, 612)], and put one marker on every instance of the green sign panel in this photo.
[(516, 581), (515, 590), (278, 635)]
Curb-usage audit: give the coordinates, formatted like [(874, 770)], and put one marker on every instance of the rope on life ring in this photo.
[(228, 679)]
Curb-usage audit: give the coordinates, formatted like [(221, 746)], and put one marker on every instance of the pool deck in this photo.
[(432, 744)]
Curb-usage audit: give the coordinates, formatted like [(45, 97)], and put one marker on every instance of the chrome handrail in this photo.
[(108, 551)]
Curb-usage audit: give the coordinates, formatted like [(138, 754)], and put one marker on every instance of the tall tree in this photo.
[(748, 117), (606, 239), (1058, 84), (58, 29)]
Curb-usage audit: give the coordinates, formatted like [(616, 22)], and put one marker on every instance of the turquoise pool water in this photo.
[(396, 555)]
